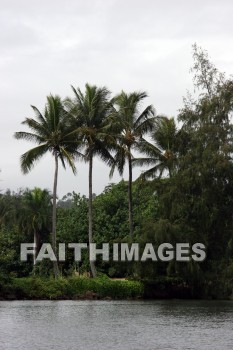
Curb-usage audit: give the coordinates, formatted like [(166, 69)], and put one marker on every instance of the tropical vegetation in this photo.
[(184, 192)]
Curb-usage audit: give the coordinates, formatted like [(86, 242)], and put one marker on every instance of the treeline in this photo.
[(184, 195)]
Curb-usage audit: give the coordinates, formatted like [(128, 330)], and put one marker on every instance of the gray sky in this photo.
[(123, 44)]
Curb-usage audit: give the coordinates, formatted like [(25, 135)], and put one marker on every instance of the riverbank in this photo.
[(73, 288), (101, 288)]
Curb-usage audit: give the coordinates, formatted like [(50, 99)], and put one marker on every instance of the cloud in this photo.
[(123, 44)]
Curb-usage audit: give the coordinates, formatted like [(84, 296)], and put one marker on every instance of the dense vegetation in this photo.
[(70, 288), (185, 193)]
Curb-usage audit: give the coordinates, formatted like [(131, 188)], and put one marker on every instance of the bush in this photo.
[(37, 288), (73, 288)]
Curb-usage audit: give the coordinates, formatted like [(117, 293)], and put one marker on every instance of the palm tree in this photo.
[(35, 214), (53, 134), (90, 111), (130, 125), (161, 154)]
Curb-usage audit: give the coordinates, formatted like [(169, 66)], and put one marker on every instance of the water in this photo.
[(116, 325)]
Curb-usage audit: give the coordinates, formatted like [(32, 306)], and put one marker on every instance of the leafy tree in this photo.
[(53, 134), (10, 204), (207, 78), (206, 163), (197, 198), (72, 226)]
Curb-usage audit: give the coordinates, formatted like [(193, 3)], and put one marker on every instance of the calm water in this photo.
[(131, 325)]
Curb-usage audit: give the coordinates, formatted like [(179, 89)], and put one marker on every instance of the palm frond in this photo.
[(149, 112), (66, 156), (144, 161), (22, 135), (145, 126), (38, 128), (119, 160), (29, 158), (41, 120), (151, 173)]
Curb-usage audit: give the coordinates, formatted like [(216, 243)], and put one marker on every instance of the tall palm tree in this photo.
[(130, 125), (90, 111), (53, 134), (162, 153), (35, 214)]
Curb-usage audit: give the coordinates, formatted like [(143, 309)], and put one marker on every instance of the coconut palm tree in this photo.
[(130, 125), (90, 111), (162, 153), (52, 133)]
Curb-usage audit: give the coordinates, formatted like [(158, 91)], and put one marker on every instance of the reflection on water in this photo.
[(121, 325)]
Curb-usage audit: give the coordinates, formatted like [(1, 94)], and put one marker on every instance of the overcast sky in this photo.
[(123, 44)]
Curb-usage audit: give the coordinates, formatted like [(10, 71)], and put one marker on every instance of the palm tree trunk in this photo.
[(36, 248), (90, 216), (36, 242), (130, 195), (54, 218)]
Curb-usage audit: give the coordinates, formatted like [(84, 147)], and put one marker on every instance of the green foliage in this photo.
[(10, 264), (51, 133), (89, 118), (193, 204), (72, 222), (162, 153), (129, 124), (111, 214), (73, 288)]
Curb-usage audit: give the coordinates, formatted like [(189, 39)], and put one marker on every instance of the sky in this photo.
[(130, 45)]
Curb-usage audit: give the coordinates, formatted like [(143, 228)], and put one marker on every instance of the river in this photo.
[(116, 325)]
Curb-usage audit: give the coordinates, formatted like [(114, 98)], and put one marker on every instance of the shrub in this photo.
[(74, 287)]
